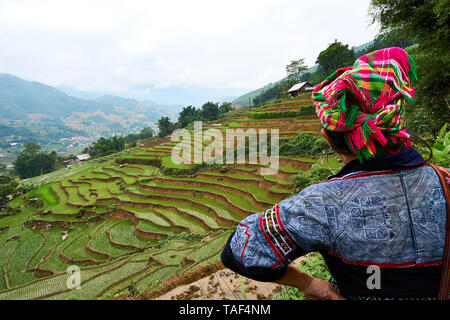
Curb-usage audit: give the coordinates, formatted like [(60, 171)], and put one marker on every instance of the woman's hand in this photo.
[(322, 290), (312, 288)]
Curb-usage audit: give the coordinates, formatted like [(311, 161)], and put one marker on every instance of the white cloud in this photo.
[(116, 46)]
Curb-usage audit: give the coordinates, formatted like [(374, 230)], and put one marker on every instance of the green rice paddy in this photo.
[(128, 223)]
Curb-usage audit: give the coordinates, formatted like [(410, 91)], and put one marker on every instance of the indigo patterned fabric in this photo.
[(388, 219), (389, 212), (262, 241)]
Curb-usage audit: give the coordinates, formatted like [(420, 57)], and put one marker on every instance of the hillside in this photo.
[(18, 98), (132, 223), (32, 111), (151, 109), (21, 98)]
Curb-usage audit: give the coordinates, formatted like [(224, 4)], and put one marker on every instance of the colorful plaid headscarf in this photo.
[(367, 101)]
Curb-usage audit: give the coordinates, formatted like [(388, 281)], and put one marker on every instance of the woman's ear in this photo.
[(324, 134)]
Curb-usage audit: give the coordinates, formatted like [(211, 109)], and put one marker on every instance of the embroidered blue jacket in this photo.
[(389, 212)]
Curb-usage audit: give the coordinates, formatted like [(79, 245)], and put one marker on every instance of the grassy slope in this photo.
[(100, 217)]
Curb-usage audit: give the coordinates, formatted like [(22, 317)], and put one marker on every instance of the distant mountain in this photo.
[(247, 99), (226, 99), (112, 100), (33, 111), (18, 98), (152, 109), (86, 95), (363, 46), (21, 99)]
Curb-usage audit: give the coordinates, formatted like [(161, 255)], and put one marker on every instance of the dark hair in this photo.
[(339, 141)]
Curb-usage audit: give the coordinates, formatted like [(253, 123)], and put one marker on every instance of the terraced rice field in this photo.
[(128, 226)]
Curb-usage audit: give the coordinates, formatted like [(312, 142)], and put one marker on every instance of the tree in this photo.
[(8, 187), (210, 111), (165, 126), (428, 21), (336, 56), (32, 162), (2, 168), (392, 38), (273, 92), (225, 107), (106, 146), (295, 68), (31, 148), (145, 133), (188, 115)]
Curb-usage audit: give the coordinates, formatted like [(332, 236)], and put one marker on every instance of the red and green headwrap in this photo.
[(367, 102)]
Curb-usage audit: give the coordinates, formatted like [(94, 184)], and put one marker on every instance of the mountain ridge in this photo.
[(34, 111), (30, 97)]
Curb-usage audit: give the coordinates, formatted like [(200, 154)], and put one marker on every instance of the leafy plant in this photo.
[(441, 147), (244, 294), (133, 289), (305, 179), (307, 110), (304, 144), (302, 111), (81, 212), (313, 265)]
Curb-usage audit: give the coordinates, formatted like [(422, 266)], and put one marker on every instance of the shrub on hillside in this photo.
[(32, 161), (145, 180), (156, 162), (304, 144), (314, 175), (441, 148), (177, 172), (185, 237), (272, 115), (307, 110), (302, 111)]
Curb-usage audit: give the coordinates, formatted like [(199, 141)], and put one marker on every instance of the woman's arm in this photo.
[(312, 288), (264, 244)]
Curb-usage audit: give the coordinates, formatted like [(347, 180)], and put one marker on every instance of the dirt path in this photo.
[(224, 285)]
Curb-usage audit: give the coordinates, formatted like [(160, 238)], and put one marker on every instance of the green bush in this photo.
[(313, 265), (272, 115), (145, 180), (177, 172), (302, 111), (304, 144), (307, 110), (314, 175), (81, 212), (441, 148), (156, 162)]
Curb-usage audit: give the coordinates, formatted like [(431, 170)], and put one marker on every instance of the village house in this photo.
[(83, 157), (300, 88)]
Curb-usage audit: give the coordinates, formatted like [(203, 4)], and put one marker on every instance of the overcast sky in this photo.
[(143, 49)]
